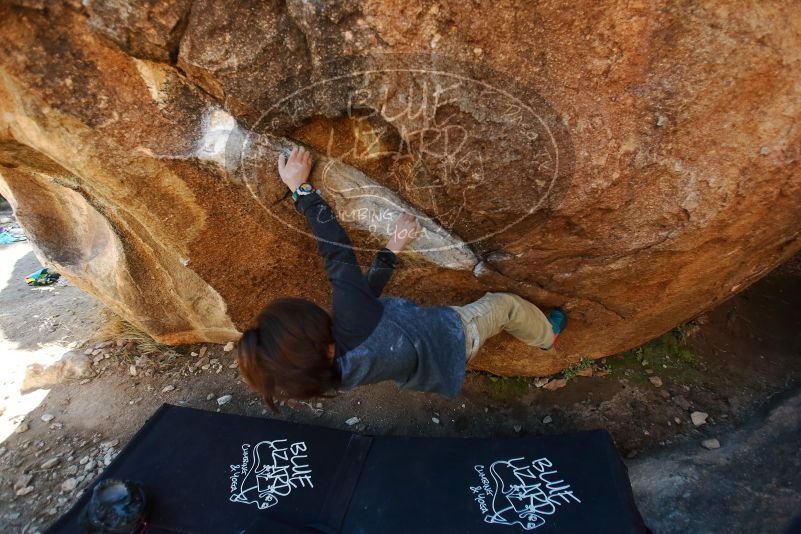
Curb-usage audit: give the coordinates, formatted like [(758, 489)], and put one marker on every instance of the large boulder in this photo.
[(635, 162)]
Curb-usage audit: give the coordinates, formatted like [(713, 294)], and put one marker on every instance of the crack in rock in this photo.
[(358, 201)]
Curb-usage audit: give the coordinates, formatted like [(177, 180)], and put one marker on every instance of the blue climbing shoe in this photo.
[(558, 319)]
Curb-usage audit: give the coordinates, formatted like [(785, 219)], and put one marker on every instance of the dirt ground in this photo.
[(58, 430)]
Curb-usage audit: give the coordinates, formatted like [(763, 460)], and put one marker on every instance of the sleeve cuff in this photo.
[(387, 257), (306, 201)]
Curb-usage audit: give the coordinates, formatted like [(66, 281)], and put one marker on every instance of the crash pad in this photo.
[(207, 472)]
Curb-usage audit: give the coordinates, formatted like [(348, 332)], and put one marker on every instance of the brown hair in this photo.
[(285, 355)]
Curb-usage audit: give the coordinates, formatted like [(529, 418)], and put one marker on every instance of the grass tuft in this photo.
[(572, 371), (116, 329)]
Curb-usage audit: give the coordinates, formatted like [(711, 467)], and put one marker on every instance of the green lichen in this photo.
[(667, 355), (506, 388)]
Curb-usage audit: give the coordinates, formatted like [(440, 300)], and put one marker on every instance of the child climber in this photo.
[(297, 350)]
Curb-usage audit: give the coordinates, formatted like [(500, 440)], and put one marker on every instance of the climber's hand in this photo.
[(295, 169), (406, 230)]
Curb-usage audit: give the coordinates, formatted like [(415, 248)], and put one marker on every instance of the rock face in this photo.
[(633, 163)]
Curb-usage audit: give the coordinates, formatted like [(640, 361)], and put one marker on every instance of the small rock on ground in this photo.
[(352, 421), (229, 346), (555, 384), (710, 444), (699, 418), (23, 481), (74, 364), (24, 491), (225, 399), (655, 380), (681, 402), (50, 463), (168, 388)]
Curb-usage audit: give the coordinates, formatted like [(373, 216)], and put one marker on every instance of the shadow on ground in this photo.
[(752, 483), (31, 317)]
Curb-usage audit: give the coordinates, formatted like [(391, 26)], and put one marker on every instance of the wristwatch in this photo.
[(303, 189)]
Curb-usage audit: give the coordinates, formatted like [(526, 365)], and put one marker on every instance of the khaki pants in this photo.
[(494, 312)]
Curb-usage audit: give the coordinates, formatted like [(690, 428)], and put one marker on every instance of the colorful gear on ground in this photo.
[(42, 277)]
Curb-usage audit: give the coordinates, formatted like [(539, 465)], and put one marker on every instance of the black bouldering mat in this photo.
[(207, 472)]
